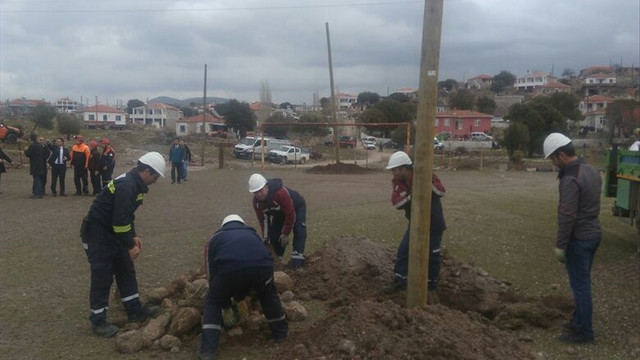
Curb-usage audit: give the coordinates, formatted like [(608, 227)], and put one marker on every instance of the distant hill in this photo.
[(187, 102)]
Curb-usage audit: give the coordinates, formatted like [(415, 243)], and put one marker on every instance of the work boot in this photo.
[(144, 313), (575, 337), (105, 330), (201, 356), (394, 287)]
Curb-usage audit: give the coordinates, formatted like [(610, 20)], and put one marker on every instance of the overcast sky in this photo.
[(124, 49)]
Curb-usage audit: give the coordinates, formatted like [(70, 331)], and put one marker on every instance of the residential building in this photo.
[(593, 103), (102, 116), (553, 87), (346, 100), (532, 80), (193, 125), (594, 120), (461, 123), (23, 106), (158, 115), (411, 93), (480, 82), (66, 105)]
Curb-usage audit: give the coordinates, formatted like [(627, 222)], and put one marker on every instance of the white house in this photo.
[(346, 100), (193, 125), (66, 105), (595, 120), (532, 80), (102, 116), (595, 102), (158, 115)]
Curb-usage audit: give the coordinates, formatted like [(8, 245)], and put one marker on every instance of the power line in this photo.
[(283, 7)]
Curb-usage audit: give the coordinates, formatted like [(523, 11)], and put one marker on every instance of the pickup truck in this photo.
[(288, 154)]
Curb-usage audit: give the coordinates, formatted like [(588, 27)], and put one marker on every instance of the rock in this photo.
[(304, 296), (168, 342), (156, 327), (295, 311), (254, 321), (167, 304), (130, 326), (184, 321), (347, 347), (301, 351), (198, 288), (555, 286), (130, 342), (287, 296), (155, 296), (282, 281), (236, 331)]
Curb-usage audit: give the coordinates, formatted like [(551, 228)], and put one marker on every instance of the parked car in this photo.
[(369, 142), (313, 154), (347, 142), (288, 154), (480, 136), (437, 145), (391, 145)]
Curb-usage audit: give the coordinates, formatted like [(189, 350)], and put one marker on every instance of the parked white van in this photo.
[(480, 136), (247, 146)]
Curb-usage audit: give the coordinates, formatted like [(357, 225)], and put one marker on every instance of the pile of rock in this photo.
[(181, 306)]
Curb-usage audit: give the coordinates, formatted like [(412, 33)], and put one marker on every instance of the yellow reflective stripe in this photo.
[(112, 187), (140, 197), (122, 229)]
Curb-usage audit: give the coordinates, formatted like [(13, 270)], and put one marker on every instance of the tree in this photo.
[(461, 99), (311, 130), (285, 105), (374, 116), (623, 116), (325, 104), (399, 97), (501, 81), (540, 118), (237, 116), (280, 131), (448, 84), (368, 98), (394, 111), (68, 124), (565, 103), (485, 105), (516, 137), (133, 103), (42, 116)]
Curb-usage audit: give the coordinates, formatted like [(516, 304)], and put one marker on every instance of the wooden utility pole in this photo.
[(204, 117), (423, 159), (336, 146)]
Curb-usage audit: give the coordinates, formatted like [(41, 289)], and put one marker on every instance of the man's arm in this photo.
[(567, 210)]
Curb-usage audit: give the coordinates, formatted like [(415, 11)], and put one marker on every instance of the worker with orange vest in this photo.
[(80, 161)]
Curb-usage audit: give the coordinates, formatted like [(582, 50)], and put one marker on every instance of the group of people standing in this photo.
[(179, 156), (86, 161)]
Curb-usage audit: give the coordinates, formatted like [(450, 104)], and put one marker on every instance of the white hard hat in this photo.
[(398, 158), (155, 161), (232, 217), (553, 142), (256, 182)]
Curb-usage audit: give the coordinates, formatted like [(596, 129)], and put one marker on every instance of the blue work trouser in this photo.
[(401, 268), (37, 188), (299, 233), (185, 169), (237, 285), (109, 258), (579, 260), (80, 179), (176, 171)]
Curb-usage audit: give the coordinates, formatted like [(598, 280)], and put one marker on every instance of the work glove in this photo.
[(561, 254), (229, 318), (283, 240)]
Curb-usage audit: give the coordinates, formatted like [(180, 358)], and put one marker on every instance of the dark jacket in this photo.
[(6, 158), (233, 247), (176, 153), (187, 153), (579, 203), (281, 203), (94, 160), (114, 207), (108, 159), (36, 153), (56, 153)]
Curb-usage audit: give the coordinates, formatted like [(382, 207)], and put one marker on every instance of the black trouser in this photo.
[(176, 167), (58, 172), (106, 176), (108, 258), (237, 285), (80, 176), (44, 179), (96, 182)]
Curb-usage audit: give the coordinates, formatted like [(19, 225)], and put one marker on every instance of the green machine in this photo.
[(622, 181)]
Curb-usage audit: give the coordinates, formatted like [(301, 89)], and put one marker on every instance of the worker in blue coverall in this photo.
[(281, 211), (111, 244), (237, 262)]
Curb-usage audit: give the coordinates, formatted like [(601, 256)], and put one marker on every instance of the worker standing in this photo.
[(58, 162), (579, 230), (80, 161), (108, 161), (280, 211), (95, 164), (37, 166), (401, 167), (177, 157), (111, 243), (237, 263)]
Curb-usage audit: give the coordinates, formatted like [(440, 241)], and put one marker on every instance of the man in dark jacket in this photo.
[(579, 230), (281, 211), (108, 161), (58, 162), (187, 160), (237, 262), (95, 165), (402, 168), (37, 165), (111, 243), (176, 157)]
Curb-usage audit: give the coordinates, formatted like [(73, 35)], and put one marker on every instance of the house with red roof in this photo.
[(193, 125), (104, 117), (594, 102), (158, 115), (461, 123), (23, 106), (553, 87)]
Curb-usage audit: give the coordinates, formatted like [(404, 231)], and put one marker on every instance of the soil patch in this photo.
[(339, 168)]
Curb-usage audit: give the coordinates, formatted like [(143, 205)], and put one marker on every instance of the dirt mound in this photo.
[(347, 275), (339, 168)]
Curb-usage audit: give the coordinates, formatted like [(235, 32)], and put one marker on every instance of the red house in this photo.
[(461, 123)]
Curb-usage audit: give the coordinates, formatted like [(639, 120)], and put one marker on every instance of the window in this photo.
[(183, 129), (437, 122), (459, 123), (478, 122), (447, 122), (105, 117), (92, 117), (118, 118)]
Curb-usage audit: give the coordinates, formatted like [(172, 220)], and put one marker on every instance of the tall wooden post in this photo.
[(423, 160), (336, 145), (204, 117)]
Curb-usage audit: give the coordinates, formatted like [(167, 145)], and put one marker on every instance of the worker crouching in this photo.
[(237, 262)]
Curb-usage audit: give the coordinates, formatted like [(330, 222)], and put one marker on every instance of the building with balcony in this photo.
[(104, 117), (532, 80), (158, 115), (66, 105)]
